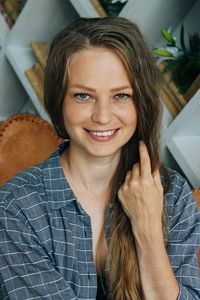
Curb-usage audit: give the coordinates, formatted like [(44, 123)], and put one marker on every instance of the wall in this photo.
[(152, 15)]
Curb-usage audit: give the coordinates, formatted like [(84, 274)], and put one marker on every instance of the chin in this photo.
[(103, 152)]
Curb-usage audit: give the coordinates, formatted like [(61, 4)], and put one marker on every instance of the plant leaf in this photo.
[(162, 52), (169, 37)]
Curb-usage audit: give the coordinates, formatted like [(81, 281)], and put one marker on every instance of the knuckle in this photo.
[(119, 194), (146, 183), (128, 175), (123, 189), (135, 184), (135, 167)]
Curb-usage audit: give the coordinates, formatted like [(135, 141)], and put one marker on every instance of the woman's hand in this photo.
[(141, 197)]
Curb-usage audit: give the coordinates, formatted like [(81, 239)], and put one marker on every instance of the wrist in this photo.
[(149, 239)]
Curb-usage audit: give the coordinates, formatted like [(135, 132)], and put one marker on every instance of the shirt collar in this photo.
[(57, 188)]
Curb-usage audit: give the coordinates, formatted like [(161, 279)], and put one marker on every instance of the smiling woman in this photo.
[(98, 109), (102, 218)]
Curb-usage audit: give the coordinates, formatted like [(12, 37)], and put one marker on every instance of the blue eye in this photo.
[(82, 96), (122, 96)]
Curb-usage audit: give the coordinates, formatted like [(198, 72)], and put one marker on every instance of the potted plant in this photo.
[(183, 62)]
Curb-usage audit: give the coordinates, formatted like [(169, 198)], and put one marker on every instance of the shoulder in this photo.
[(178, 195), (180, 206), (16, 193), (176, 186), (26, 190)]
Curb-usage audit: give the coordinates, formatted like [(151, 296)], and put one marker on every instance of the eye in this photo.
[(82, 96), (122, 96)]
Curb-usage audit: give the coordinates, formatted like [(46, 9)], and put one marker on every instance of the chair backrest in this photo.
[(25, 140), (196, 193)]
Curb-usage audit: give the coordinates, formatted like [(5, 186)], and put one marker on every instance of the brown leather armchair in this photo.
[(196, 193), (25, 140)]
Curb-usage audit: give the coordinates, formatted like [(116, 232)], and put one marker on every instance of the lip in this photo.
[(101, 130), (102, 138)]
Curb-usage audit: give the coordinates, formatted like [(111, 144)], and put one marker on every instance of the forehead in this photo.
[(93, 52), (96, 60)]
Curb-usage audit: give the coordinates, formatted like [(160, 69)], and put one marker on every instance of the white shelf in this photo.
[(164, 152), (39, 20), (183, 140), (151, 16), (12, 94), (28, 108), (4, 30), (84, 8), (22, 59), (186, 152)]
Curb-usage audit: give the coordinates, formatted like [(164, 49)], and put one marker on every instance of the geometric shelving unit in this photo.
[(183, 140)]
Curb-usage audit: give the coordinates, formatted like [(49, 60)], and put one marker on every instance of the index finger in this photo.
[(145, 163)]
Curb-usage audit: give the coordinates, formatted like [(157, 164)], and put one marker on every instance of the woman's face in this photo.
[(98, 109)]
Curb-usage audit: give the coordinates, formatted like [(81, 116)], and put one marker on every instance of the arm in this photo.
[(141, 197), (184, 242), (26, 271), (157, 277)]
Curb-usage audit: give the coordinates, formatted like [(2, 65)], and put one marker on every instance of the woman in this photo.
[(94, 221)]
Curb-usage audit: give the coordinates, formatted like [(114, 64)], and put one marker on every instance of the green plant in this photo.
[(182, 61)]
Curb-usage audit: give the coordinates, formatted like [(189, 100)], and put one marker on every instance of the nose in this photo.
[(102, 112)]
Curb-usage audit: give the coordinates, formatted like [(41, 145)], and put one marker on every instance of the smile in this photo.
[(102, 133), (102, 136)]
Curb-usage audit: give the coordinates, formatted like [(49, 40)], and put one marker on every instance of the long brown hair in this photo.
[(123, 37)]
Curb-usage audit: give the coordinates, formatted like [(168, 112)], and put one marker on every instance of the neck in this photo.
[(92, 174)]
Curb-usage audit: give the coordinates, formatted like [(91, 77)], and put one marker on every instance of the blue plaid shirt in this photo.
[(46, 237)]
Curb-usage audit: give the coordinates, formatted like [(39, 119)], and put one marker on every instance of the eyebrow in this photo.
[(94, 90), (76, 85)]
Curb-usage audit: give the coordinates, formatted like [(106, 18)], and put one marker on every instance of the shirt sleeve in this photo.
[(26, 270), (184, 242)]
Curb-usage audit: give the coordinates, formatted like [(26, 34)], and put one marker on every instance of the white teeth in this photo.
[(103, 133)]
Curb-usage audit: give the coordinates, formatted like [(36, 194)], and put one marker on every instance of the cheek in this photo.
[(130, 116), (73, 115), (70, 121), (69, 116)]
